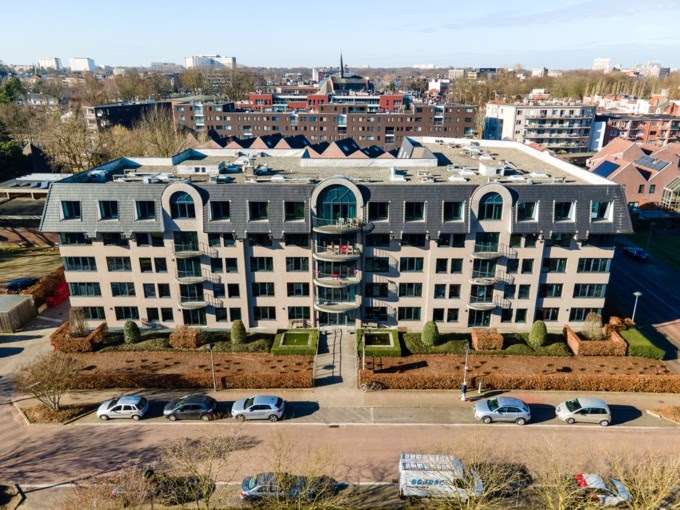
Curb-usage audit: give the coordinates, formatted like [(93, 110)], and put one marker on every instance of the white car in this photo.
[(610, 493), (134, 407)]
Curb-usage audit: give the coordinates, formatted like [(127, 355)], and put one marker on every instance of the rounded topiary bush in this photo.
[(131, 332), (238, 332), (430, 335), (537, 335)]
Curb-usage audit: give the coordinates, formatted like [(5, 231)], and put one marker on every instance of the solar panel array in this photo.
[(605, 169), (650, 162)]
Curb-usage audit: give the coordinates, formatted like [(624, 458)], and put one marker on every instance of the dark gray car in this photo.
[(506, 409), (191, 407)]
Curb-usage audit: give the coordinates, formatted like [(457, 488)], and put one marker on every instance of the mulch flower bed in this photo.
[(43, 414)]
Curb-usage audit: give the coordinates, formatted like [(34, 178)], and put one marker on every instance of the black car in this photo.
[(191, 407)]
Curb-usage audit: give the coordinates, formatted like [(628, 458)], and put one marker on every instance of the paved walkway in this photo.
[(335, 365)]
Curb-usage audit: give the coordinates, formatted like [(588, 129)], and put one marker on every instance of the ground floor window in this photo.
[(580, 314), (235, 314), (94, 312), (264, 313), (547, 314), (452, 315), (194, 317), (298, 312), (409, 313), (152, 314), (220, 314), (167, 315), (376, 313), (124, 313), (478, 318), (336, 319)]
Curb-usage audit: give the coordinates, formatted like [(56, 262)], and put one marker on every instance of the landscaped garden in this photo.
[(296, 342)]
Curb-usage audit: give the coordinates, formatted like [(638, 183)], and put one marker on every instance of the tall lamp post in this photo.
[(637, 295), (212, 366)]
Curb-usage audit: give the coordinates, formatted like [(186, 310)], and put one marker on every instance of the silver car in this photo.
[(134, 407), (502, 409), (259, 407), (586, 410)]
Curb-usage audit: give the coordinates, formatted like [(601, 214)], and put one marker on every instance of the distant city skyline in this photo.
[(557, 34)]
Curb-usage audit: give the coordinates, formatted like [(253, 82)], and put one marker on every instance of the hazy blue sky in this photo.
[(552, 33)]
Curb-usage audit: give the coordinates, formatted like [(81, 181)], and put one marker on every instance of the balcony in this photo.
[(193, 276), (332, 252), (482, 303), (338, 279), (335, 306), (192, 302), (483, 278), (187, 250), (492, 251), (338, 225)]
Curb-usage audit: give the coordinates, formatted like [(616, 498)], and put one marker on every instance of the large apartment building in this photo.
[(658, 129), (557, 125), (367, 123), (466, 233)]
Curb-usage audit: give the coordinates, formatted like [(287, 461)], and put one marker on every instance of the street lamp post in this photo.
[(212, 366), (463, 387), (637, 295)]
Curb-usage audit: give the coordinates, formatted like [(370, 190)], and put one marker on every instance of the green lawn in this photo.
[(640, 345), (663, 245), (295, 338)]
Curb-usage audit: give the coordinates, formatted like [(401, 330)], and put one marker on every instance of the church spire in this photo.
[(342, 66)]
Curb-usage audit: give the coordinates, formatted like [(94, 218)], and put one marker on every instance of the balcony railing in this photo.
[(493, 250), (195, 249), (338, 225)]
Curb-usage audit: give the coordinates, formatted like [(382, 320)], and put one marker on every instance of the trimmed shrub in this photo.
[(537, 335), (185, 337), (640, 345), (281, 349), (486, 339), (238, 332), (148, 344), (430, 334), (391, 350), (592, 328), (258, 345), (131, 332)]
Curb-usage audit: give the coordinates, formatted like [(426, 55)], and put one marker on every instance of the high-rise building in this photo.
[(82, 65), (465, 233), (557, 125), (209, 62), (53, 63), (602, 64)]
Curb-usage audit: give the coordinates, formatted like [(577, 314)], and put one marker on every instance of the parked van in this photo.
[(436, 476)]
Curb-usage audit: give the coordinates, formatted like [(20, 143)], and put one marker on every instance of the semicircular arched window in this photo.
[(490, 207), (336, 202), (182, 206)]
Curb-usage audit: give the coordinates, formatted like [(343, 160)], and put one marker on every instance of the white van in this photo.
[(436, 476)]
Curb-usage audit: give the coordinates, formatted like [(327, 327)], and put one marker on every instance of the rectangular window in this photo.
[(149, 290), (376, 290), (523, 291), (70, 210), (70, 238), (84, 289), (301, 240), (122, 289), (228, 239), (512, 266), (413, 240), (264, 313), (441, 266), (438, 314), (652, 189), (590, 290), (378, 240), (93, 312), (564, 211), (216, 265), (194, 317), (600, 211), (114, 239), (297, 264), (218, 290), (80, 264), (547, 314), (258, 211), (260, 240), (378, 211), (521, 315), (452, 315), (580, 314), (551, 290), (641, 188), (230, 265), (593, 265), (527, 266), (163, 290), (298, 313), (124, 313), (118, 264), (439, 291), (220, 314), (554, 265), (453, 211), (298, 289), (108, 210), (454, 291), (146, 210), (214, 240), (294, 211), (509, 291), (456, 266), (506, 315), (263, 289), (152, 314), (233, 290), (486, 242), (377, 264), (414, 211), (530, 240), (411, 264), (408, 313), (265, 264), (410, 289), (235, 314), (376, 313), (219, 210), (160, 264), (515, 240), (145, 265), (167, 315), (526, 211)]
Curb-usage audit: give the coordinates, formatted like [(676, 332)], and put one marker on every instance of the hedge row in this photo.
[(392, 350), (61, 339), (640, 345), (101, 379), (669, 383), (448, 344), (279, 349)]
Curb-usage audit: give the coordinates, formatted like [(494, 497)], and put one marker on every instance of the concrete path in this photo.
[(335, 365)]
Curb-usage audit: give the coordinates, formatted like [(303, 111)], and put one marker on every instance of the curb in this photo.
[(21, 413), (661, 417)]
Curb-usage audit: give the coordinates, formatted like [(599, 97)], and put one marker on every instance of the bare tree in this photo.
[(653, 480), (49, 378), (160, 135), (128, 488), (76, 320)]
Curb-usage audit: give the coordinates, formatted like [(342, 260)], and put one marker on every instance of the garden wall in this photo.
[(615, 345), (62, 340), (486, 339)]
